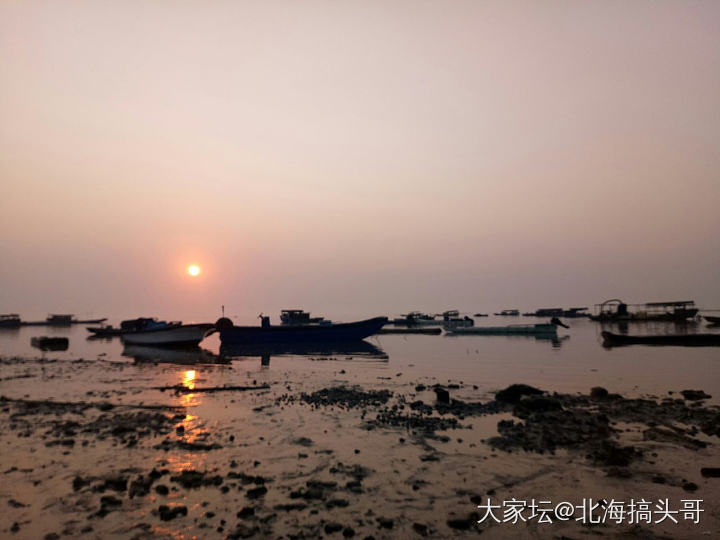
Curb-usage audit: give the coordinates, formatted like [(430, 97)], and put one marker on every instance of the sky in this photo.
[(357, 158)]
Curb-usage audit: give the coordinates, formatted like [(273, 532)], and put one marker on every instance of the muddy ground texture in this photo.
[(322, 461)]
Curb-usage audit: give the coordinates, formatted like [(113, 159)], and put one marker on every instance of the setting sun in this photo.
[(193, 270)]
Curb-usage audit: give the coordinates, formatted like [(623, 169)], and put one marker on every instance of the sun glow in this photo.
[(193, 270), (189, 379)]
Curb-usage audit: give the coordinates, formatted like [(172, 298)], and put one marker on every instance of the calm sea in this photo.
[(575, 362)]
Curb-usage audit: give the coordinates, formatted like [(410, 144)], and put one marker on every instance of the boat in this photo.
[(265, 333), (183, 335), (684, 340), (59, 320), (712, 320), (480, 315), (571, 313), (417, 318), (452, 319), (131, 326), (616, 310), (45, 343), (89, 321), (409, 330), (54, 319), (10, 320), (509, 313), (548, 329), (298, 316)]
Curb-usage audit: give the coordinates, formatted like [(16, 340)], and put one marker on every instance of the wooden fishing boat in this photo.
[(63, 320), (509, 313), (131, 326), (417, 318), (265, 333), (183, 335), (684, 340), (615, 310), (510, 330), (10, 320), (426, 331)]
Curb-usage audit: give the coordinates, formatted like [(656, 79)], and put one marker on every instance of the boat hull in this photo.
[(299, 334), (513, 330), (682, 340), (712, 320), (179, 336)]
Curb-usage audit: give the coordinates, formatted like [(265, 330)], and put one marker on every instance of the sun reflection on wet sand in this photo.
[(189, 379)]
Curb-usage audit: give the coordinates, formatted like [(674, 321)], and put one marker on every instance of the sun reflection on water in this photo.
[(189, 379)]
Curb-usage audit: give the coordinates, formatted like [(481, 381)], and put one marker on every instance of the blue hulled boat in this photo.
[(322, 333)]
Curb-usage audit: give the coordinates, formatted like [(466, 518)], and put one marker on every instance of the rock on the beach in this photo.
[(463, 524), (243, 531), (386, 523), (695, 395), (333, 527), (167, 513), (257, 492), (710, 472), (420, 528), (442, 395), (514, 392)]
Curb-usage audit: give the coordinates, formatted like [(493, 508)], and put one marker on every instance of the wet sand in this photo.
[(95, 448)]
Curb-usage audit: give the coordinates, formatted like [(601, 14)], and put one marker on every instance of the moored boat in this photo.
[(615, 310), (62, 320), (183, 335), (409, 330), (265, 333), (417, 318), (131, 326), (684, 340), (452, 319), (509, 313), (10, 320), (510, 330), (571, 313)]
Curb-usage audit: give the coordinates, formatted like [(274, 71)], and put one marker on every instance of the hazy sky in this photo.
[(357, 157)]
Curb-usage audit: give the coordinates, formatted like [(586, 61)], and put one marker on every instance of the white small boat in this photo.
[(511, 330), (176, 336)]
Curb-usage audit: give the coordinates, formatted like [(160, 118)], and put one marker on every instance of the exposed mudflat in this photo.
[(94, 449)]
